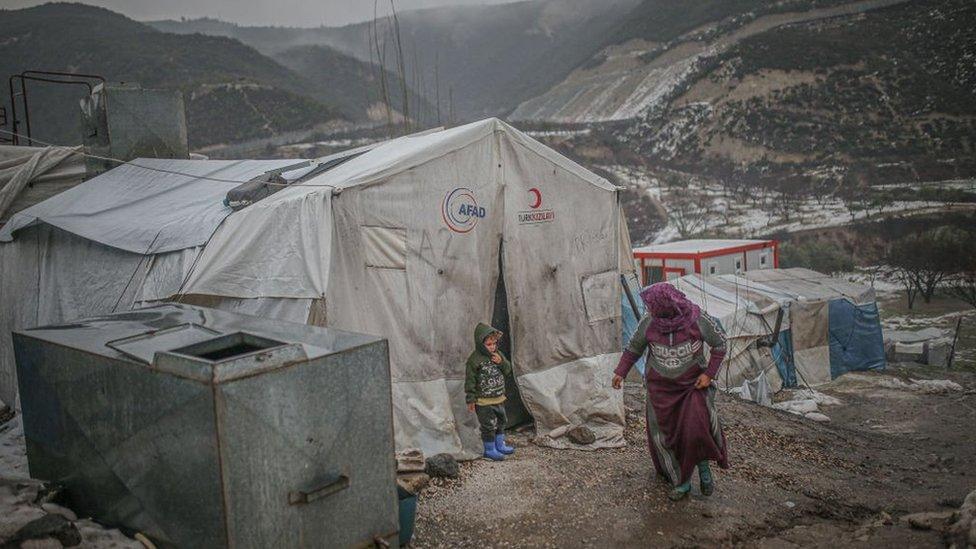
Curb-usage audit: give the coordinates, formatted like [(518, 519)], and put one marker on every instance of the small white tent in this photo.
[(826, 326), (407, 240)]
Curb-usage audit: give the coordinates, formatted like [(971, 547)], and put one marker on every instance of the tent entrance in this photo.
[(514, 408)]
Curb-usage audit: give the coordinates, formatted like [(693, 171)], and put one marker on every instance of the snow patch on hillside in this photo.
[(708, 208)]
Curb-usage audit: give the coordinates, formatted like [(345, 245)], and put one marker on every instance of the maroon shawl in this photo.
[(670, 308)]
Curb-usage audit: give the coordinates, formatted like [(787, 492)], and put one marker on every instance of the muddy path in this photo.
[(887, 453)]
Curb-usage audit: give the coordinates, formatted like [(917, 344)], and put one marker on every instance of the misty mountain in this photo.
[(353, 86), (659, 46), (806, 94), (888, 94), (232, 92), (478, 60)]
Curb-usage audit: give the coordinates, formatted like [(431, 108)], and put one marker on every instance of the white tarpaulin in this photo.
[(147, 206), (408, 241), (746, 316), (751, 306)]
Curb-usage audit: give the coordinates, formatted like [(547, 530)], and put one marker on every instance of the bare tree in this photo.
[(855, 203), (788, 200), (688, 211), (924, 261), (823, 189), (879, 201), (962, 286), (962, 283), (673, 181)]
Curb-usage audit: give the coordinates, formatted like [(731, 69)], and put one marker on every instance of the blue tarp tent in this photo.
[(835, 327)]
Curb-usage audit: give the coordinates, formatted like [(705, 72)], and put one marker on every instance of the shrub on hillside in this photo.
[(819, 256)]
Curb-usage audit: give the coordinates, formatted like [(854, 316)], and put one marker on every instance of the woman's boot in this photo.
[(680, 491), (705, 476)]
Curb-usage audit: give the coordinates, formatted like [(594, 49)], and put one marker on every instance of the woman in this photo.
[(683, 428)]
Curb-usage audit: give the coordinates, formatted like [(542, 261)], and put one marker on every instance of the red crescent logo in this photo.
[(538, 198)]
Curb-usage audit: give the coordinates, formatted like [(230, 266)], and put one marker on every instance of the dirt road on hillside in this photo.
[(887, 453)]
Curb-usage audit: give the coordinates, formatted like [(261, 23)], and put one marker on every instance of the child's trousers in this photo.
[(492, 420)]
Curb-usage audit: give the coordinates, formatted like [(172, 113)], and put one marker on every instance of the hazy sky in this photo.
[(296, 13)]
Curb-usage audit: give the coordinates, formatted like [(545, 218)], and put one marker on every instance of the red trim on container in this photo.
[(705, 255)]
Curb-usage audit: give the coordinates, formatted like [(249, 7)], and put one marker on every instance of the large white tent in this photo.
[(406, 240)]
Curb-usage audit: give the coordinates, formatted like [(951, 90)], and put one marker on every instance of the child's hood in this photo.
[(482, 331)]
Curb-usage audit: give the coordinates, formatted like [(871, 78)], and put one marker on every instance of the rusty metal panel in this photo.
[(264, 434)]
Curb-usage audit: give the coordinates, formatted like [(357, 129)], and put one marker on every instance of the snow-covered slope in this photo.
[(625, 81)]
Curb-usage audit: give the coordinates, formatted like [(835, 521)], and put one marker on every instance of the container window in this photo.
[(653, 275)]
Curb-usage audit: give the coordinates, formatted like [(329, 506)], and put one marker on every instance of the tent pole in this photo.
[(630, 297)]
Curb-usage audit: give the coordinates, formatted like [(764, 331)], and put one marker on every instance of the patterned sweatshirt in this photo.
[(672, 352), (484, 381)]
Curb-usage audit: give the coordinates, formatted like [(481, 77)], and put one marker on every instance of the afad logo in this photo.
[(535, 214), (461, 211)]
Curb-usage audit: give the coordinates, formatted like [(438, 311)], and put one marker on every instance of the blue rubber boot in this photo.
[(501, 447), (491, 453)]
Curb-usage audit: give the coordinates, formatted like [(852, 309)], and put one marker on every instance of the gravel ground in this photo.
[(887, 453)]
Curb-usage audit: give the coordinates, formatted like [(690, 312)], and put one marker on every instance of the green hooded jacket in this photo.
[(482, 377)]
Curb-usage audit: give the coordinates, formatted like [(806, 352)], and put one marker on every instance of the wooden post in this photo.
[(955, 338)]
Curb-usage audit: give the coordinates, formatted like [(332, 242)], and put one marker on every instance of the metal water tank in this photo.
[(202, 428)]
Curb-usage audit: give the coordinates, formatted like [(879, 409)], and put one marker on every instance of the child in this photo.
[(484, 390)]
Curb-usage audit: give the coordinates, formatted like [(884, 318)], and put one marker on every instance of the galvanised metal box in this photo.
[(202, 428)]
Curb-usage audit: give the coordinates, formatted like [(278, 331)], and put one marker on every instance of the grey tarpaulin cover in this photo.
[(29, 175), (403, 241), (138, 209)]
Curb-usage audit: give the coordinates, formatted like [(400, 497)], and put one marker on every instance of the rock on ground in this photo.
[(962, 535), (582, 435), (817, 416), (443, 466), (24, 500), (48, 526), (798, 407), (938, 520)]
